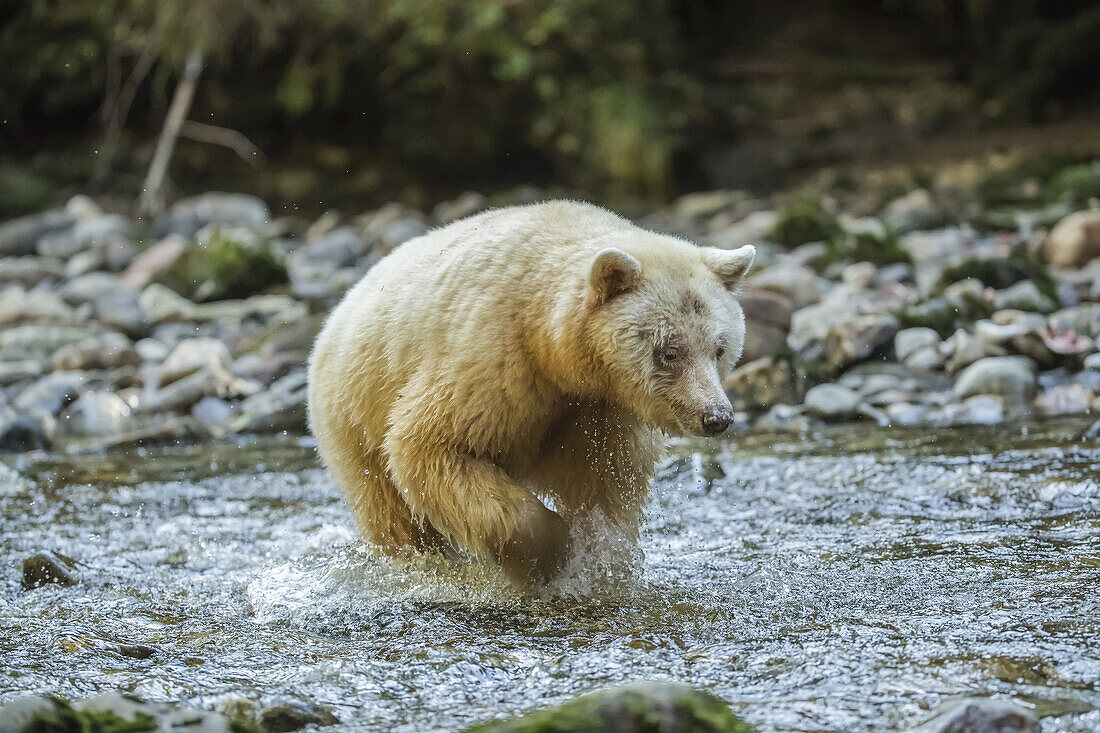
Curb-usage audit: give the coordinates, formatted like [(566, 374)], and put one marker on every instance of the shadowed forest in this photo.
[(318, 103)]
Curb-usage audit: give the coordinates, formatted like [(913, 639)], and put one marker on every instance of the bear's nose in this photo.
[(715, 421)]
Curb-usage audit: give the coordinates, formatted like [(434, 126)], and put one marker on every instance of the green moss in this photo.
[(866, 247), (1075, 185), (64, 718), (937, 314), (231, 263), (805, 221), (1010, 186), (1001, 272), (644, 707), (243, 724)]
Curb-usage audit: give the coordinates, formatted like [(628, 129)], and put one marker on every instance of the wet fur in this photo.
[(493, 362)]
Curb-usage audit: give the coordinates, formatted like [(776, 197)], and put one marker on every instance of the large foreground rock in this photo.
[(645, 707), (109, 712)]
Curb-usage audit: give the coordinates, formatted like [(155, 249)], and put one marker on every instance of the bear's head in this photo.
[(666, 326)]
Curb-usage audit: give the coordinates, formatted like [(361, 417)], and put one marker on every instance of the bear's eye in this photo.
[(669, 356), (721, 352)]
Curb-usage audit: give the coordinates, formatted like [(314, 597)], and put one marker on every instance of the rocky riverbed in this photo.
[(952, 303)]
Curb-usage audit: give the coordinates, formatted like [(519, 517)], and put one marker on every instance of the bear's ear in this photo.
[(612, 273), (730, 265)]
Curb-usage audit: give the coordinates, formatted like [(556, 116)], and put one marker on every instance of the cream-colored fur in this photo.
[(517, 354)]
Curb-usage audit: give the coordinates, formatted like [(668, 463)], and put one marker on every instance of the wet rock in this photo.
[(163, 305), (832, 402), (338, 248), (188, 216), (39, 306), (914, 211), (1092, 362), (30, 271), (1092, 432), (906, 414), (265, 369), (977, 410), (1024, 296), (376, 223), (859, 275), (796, 282), (20, 370), (169, 430), (465, 204), (317, 282), (1075, 240), (282, 406), (909, 341), (210, 381), (1008, 376), (49, 568), (291, 716), (752, 229), (191, 356), (401, 231), (23, 342), (154, 261), (1082, 319), (122, 310), (20, 236), (88, 232), (918, 348), (264, 307), (90, 287), (1066, 399), (95, 412), (853, 340), (963, 349), (50, 393), (760, 384), (109, 712), (212, 411), (980, 715), (641, 707), (767, 319), (22, 432), (784, 417)]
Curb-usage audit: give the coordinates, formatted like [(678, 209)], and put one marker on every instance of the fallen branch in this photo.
[(151, 200), (224, 136)]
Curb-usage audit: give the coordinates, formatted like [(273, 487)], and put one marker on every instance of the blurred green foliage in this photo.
[(592, 90), (226, 263), (805, 221), (621, 98)]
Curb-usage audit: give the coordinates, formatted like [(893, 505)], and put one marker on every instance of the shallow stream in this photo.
[(849, 580)]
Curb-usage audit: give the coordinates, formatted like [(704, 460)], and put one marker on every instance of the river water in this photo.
[(847, 580)]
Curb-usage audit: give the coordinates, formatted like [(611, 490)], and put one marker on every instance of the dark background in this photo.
[(351, 103)]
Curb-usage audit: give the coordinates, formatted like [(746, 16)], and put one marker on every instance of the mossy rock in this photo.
[(1002, 272), (1075, 185), (225, 263), (648, 707), (64, 718), (805, 221), (866, 247), (936, 313), (1011, 186)]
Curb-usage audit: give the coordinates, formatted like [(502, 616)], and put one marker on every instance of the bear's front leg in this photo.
[(479, 507), (537, 549)]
